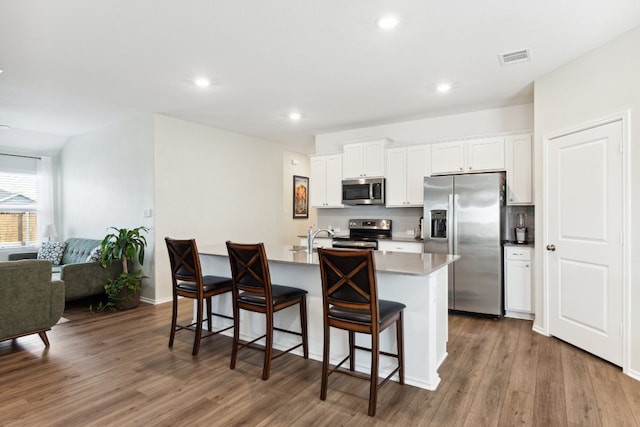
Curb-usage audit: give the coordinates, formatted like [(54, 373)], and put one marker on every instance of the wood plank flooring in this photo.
[(115, 369)]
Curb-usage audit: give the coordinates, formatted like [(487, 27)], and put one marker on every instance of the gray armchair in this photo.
[(30, 302)]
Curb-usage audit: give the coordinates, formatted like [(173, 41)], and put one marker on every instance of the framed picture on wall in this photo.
[(300, 197)]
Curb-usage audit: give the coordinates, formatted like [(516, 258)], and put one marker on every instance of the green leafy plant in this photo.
[(123, 245)]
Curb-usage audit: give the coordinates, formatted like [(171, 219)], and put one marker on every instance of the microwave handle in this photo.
[(371, 192)]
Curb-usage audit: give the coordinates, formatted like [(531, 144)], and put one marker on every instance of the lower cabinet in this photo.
[(518, 267), (399, 246)]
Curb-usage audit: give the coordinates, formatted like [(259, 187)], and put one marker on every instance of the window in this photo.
[(18, 200)]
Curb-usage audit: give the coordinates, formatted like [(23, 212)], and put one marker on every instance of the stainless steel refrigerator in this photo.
[(463, 215)]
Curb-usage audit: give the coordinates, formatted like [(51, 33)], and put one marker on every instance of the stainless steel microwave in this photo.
[(363, 191)]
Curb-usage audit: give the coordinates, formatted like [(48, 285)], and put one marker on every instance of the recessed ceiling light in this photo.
[(295, 116), (5, 127), (202, 82), (387, 22), (443, 87)]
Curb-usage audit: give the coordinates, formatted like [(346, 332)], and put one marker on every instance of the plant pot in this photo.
[(127, 299)]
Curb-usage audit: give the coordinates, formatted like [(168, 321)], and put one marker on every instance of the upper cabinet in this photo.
[(477, 155), (326, 181), (518, 163), (447, 157), (364, 159), (406, 169)]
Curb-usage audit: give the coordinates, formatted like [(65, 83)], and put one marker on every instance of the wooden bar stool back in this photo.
[(350, 302), (253, 291), (188, 282)]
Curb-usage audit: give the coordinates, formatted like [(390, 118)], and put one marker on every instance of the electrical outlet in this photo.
[(409, 232)]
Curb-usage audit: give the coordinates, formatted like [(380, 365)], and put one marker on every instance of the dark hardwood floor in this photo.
[(115, 369)]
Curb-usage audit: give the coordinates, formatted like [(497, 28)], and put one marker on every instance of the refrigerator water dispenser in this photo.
[(439, 223)]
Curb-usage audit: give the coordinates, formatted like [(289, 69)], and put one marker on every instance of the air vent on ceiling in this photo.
[(515, 57)]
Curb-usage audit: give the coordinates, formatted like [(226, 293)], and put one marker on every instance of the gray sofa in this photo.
[(81, 278), (30, 302)]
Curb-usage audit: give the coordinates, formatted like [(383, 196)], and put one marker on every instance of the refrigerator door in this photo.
[(478, 201), (438, 220)]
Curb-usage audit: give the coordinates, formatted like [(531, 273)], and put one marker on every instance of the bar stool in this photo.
[(188, 282), (350, 302), (253, 291)]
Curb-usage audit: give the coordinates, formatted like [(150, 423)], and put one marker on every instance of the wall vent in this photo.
[(515, 57)]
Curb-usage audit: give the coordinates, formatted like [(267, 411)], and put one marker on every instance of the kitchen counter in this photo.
[(390, 262), (406, 239), (512, 243), (417, 280), (396, 238)]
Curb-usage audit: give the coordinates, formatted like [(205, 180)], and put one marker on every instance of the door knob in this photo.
[(551, 248)]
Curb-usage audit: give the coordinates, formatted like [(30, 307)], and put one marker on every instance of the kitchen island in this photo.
[(417, 280)]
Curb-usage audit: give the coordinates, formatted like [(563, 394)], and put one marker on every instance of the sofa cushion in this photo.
[(78, 250), (95, 255), (52, 251)]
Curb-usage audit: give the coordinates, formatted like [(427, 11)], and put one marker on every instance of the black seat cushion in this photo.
[(280, 294), (210, 283), (387, 309)]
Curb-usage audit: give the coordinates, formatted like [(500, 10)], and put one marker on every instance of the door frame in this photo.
[(624, 117)]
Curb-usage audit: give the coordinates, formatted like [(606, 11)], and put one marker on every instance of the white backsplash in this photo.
[(406, 219), (403, 219), (510, 222)]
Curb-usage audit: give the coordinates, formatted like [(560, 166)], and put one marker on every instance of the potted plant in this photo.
[(123, 245)]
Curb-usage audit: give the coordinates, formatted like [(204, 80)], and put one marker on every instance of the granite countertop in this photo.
[(396, 238), (415, 264), (514, 243), (406, 238)]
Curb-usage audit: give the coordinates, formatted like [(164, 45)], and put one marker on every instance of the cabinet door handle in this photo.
[(551, 248)]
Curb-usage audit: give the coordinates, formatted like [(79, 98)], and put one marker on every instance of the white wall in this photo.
[(215, 185), (483, 122), (198, 182), (107, 180), (294, 227), (601, 83)]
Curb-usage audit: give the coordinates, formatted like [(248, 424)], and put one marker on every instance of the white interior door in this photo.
[(584, 239)]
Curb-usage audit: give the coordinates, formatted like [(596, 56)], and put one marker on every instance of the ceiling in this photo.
[(73, 66)]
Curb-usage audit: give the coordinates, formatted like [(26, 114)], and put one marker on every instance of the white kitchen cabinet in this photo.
[(447, 157), (518, 165), (325, 184), (400, 246), (476, 155), (364, 159), (518, 267), (406, 169)]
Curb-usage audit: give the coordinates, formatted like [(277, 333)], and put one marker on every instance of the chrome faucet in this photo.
[(311, 235)]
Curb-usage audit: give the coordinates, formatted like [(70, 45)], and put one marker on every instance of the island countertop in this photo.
[(415, 264)]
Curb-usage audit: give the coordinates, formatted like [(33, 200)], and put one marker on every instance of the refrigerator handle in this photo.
[(451, 232)]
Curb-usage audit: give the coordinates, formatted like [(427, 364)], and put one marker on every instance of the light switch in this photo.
[(148, 213)]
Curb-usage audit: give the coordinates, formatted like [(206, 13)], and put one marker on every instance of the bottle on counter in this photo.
[(417, 232)]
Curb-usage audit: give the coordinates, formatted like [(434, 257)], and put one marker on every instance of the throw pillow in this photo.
[(95, 255), (52, 251)]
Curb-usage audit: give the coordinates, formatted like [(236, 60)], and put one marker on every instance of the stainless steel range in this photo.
[(364, 234)]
